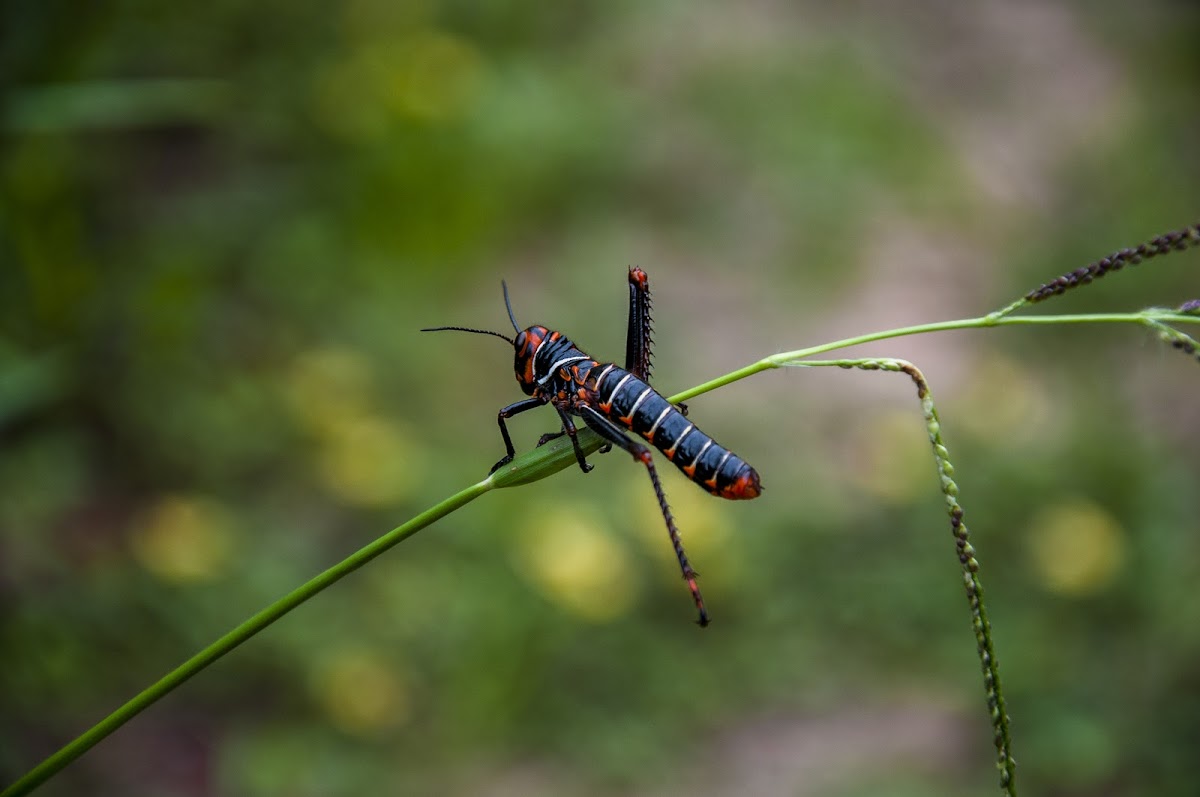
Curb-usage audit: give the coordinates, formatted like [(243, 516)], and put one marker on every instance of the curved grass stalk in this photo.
[(529, 467), (784, 359), (1001, 735)]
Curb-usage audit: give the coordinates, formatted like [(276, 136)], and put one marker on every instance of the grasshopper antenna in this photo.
[(508, 304), (468, 329)]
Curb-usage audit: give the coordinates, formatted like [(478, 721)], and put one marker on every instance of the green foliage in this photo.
[(221, 227)]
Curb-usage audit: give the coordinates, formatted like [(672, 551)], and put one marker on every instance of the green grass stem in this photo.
[(528, 467), (237, 636)]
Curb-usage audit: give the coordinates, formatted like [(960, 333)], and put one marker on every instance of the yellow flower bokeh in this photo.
[(362, 457), (889, 455), (1008, 403), (366, 460), (425, 76), (1077, 547), (325, 384), (363, 693), (184, 539), (577, 564)]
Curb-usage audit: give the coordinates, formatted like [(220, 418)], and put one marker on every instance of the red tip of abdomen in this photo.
[(744, 487)]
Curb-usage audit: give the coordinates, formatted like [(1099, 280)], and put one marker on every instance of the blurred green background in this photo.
[(221, 227)]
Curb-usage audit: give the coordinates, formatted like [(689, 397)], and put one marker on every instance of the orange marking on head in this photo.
[(532, 341), (638, 276)]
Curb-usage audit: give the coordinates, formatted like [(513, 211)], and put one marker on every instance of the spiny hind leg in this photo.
[(613, 433), (637, 336)]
